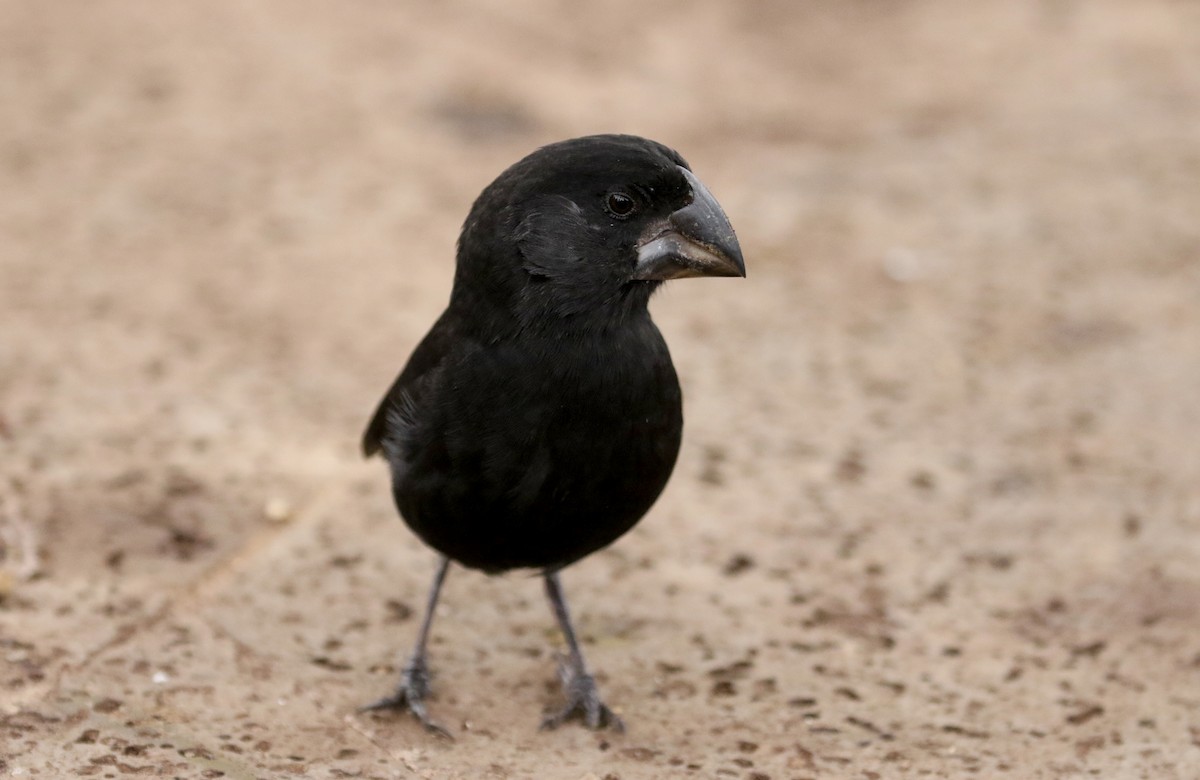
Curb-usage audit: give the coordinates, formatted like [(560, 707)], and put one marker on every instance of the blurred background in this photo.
[(937, 509)]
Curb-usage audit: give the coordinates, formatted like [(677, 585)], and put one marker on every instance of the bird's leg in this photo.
[(583, 700), (414, 679)]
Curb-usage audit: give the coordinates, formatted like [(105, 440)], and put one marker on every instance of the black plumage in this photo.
[(541, 416)]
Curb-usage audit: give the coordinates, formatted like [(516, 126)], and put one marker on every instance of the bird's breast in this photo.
[(547, 449)]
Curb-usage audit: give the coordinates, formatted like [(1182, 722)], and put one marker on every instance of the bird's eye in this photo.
[(620, 205)]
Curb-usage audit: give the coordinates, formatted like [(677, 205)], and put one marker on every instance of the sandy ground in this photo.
[(937, 512)]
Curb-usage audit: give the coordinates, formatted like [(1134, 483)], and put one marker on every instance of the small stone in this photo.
[(278, 510)]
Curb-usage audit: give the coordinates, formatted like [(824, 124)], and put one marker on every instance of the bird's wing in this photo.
[(396, 412)]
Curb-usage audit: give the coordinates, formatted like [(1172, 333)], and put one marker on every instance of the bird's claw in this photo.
[(410, 695), (583, 702)]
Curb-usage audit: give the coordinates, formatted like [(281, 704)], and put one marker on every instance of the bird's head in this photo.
[(587, 229)]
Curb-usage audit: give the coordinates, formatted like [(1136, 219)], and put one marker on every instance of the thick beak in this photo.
[(696, 240)]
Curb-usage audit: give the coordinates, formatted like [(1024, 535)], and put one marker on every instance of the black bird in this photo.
[(540, 417)]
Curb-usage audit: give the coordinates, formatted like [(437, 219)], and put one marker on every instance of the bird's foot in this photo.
[(583, 702), (410, 695)]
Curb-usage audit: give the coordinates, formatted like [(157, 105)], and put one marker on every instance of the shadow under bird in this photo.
[(540, 417)]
